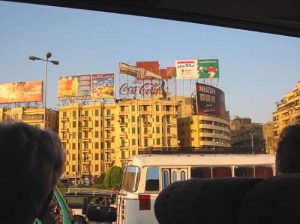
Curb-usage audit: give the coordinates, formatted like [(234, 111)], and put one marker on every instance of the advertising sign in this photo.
[(210, 100), (87, 86), (208, 68), (103, 86), (19, 92), (141, 88), (138, 73), (186, 69)]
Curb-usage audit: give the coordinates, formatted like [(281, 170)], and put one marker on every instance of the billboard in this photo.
[(20, 92), (86, 86), (208, 68), (138, 73), (147, 70), (141, 88), (210, 100), (103, 86), (186, 69)]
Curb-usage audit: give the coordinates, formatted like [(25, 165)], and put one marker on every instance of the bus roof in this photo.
[(201, 159)]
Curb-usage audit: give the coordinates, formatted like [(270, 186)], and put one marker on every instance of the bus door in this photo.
[(170, 175)]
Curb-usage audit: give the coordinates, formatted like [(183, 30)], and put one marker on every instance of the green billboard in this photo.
[(208, 68)]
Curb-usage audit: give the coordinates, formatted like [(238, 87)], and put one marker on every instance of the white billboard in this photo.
[(187, 69)]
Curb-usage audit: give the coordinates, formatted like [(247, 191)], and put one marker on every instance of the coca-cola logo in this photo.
[(147, 88)]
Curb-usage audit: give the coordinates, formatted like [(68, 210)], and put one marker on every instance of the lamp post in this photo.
[(252, 140), (46, 60)]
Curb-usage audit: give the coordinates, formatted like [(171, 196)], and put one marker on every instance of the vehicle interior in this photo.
[(280, 17)]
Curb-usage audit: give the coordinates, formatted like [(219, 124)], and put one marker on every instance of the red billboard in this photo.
[(20, 92), (210, 100), (147, 70)]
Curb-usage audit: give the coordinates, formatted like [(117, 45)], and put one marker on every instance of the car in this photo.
[(101, 209)]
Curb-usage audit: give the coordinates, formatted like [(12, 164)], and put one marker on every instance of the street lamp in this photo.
[(34, 58)]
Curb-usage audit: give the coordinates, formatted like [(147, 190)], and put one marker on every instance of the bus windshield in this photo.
[(131, 178)]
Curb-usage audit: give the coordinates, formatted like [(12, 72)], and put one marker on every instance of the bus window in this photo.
[(263, 172), (219, 172), (174, 176), (244, 171), (200, 172), (166, 178), (152, 179), (131, 178), (182, 175)]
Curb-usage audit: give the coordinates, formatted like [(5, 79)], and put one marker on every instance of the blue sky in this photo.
[(256, 69)]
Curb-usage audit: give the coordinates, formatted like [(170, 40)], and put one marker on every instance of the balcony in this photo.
[(85, 117), (85, 161), (64, 119), (109, 117)]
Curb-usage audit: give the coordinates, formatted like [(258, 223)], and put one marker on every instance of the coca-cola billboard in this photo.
[(141, 88)]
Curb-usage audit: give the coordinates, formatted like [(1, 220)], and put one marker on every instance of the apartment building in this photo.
[(36, 116), (247, 135), (268, 135), (287, 111), (99, 135), (203, 131)]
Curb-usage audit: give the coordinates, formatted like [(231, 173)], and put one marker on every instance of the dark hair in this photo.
[(31, 162), (288, 150)]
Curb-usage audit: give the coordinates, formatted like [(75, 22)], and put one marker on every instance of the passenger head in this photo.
[(288, 150), (31, 162)]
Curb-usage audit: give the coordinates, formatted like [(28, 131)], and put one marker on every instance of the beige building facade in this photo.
[(287, 112), (99, 135), (36, 116), (203, 131)]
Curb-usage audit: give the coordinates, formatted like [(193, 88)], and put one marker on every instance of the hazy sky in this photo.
[(256, 69)]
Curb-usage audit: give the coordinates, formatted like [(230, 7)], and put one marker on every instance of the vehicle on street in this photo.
[(145, 176)]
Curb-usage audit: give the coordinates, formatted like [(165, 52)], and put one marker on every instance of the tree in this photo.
[(113, 178)]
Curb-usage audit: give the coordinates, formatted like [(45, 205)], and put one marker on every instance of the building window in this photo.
[(122, 154), (74, 114), (73, 146), (96, 123), (96, 134), (157, 130), (108, 112), (73, 157), (64, 114), (96, 167), (132, 108), (157, 107), (133, 118), (133, 152), (96, 145), (133, 130), (158, 141), (96, 112), (145, 130), (133, 141), (73, 168), (96, 156), (146, 142), (74, 124), (157, 118), (122, 142), (74, 135)]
